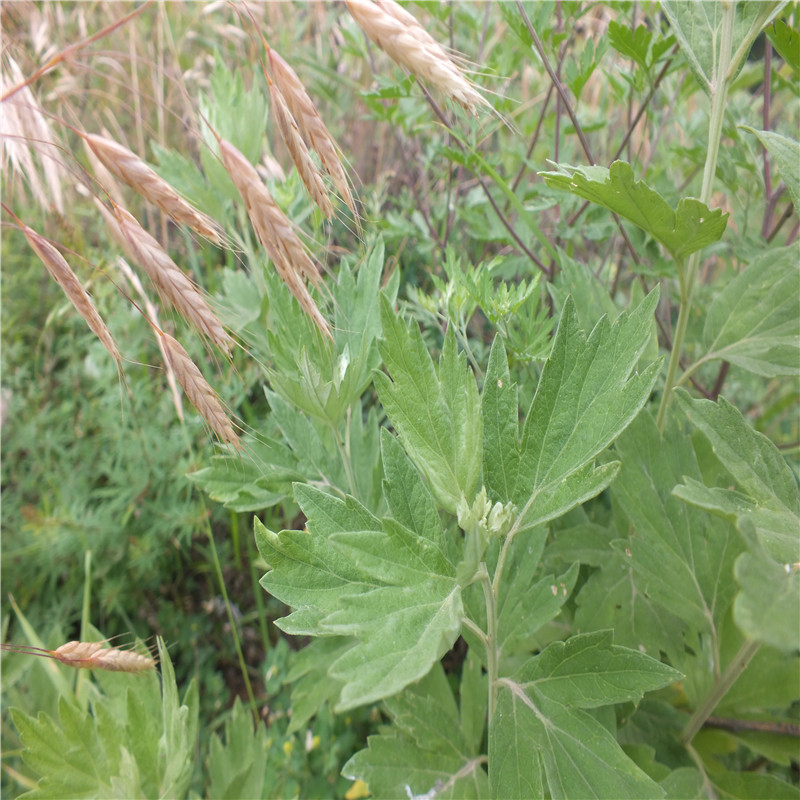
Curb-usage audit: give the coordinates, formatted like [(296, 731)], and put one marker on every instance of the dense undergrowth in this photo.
[(526, 515)]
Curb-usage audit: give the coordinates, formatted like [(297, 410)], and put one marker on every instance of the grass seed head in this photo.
[(128, 167), (404, 40), (172, 283), (275, 232), (305, 165), (311, 126), (93, 655), (198, 390), (58, 267)]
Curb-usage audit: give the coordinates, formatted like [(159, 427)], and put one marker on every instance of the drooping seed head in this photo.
[(275, 232), (58, 267), (128, 167), (305, 165), (172, 283), (198, 390), (404, 40), (311, 126)]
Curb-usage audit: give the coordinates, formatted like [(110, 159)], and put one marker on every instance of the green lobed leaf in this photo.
[(589, 671), (391, 588), (753, 322), (435, 414), (131, 744), (587, 395), (769, 496), (698, 29), (683, 231), (424, 750), (767, 608), (680, 558), (785, 153), (237, 768), (539, 740), (786, 41), (540, 736), (259, 479)]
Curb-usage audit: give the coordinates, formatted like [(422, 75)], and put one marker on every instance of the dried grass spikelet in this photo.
[(275, 232), (311, 126), (306, 167), (172, 283), (93, 655), (90, 655), (407, 43), (58, 267), (128, 167), (198, 390)]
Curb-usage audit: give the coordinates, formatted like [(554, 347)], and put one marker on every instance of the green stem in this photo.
[(720, 689), (718, 90), (231, 620), (344, 452), (491, 636), (258, 593)]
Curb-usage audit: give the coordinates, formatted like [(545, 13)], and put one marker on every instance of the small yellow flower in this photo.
[(288, 747), (358, 790)]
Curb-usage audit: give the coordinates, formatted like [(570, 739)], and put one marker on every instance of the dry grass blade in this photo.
[(58, 267), (306, 167), (172, 283), (311, 126), (275, 232), (198, 390), (128, 167), (402, 37)]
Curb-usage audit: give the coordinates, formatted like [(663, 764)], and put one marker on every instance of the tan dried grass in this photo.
[(61, 271), (172, 283), (406, 42), (198, 390), (90, 655), (128, 167), (275, 232), (311, 126), (94, 655), (298, 151), (23, 126)]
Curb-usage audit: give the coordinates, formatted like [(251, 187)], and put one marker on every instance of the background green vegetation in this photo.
[(92, 465)]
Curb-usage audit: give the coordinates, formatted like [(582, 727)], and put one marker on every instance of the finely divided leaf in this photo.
[(587, 395), (754, 322), (436, 414), (691, 227), (769, 494)]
